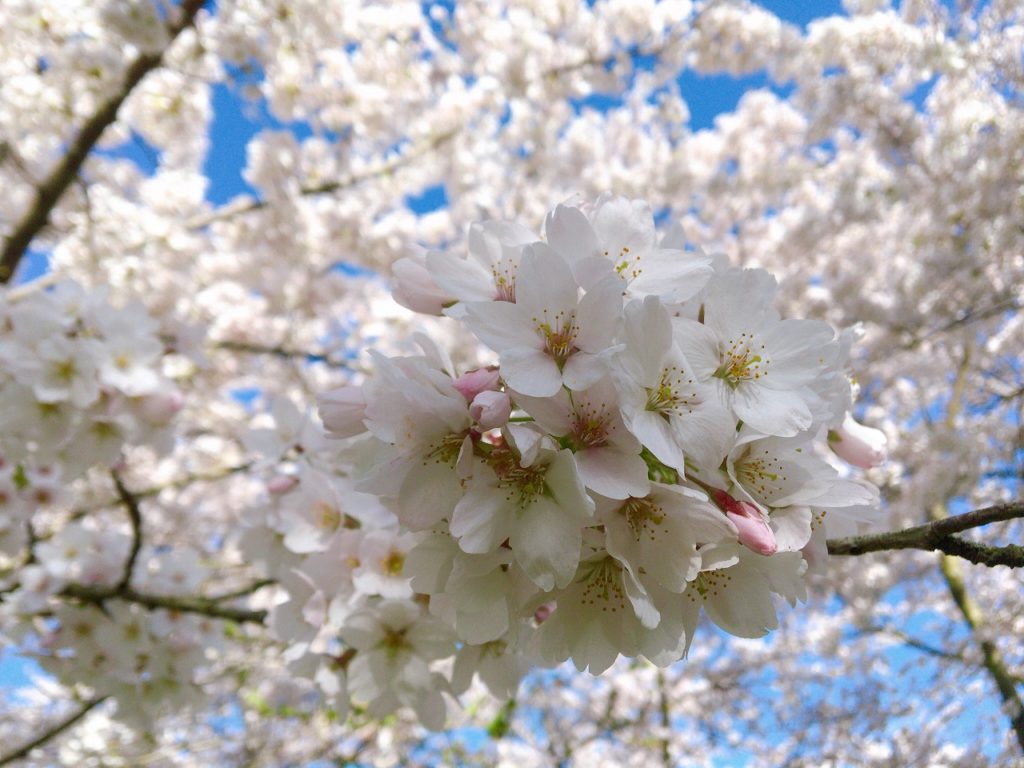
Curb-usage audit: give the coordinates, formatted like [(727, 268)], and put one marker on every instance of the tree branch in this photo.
[(938, 535), (992, 659), (952, 572), (50, 190), (285, 353), (204, 606), (919, 645), (52, 732), (131, 503), (180, 482), (664, 743), (328, 187)]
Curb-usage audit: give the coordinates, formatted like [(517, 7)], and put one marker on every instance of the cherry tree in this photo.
[(651, 444)]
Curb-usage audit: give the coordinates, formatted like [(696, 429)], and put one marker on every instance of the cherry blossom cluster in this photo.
[(79, 378), (150, 662), (645, 445)]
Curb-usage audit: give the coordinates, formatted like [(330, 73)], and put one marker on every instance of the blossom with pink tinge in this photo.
[(161, 406), (281, 484), (754, 531), (856, 444), (491, 409), (472, 383)]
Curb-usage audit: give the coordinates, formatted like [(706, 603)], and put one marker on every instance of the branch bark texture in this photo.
[(52, 188), (204, 606), (940, 535)]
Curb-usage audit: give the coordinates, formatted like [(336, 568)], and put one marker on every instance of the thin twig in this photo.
[(285, 353), (181, 482), (52, 732), (916, 644), (328, 187), (131, 503)]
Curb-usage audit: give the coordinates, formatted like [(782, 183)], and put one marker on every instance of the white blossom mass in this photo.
[(507, 382)]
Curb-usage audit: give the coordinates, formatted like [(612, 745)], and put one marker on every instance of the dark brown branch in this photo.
[(243, 591), (284, 353), (50, 190), (52, 732), (939, 536), (131, 503), (203, 606)]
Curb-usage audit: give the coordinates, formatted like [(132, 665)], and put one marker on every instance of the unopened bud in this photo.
[(491, 409), (858, 445), (472, 383), (543, 613), (281, 484), (754, 532)]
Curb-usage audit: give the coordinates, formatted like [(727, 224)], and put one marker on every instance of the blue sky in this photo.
[(235, 121)]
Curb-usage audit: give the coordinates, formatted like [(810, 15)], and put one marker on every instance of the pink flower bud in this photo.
[(414, 287), (858, 445), (754, 532), (281, 484), (342, 410), (491, 409), (472, 383), (161, 406), (543, 613)]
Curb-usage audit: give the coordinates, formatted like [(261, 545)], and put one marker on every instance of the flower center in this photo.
[(521, 484), (445, 451), (504, 282), (761, 473), (559, 336), (742, 361), (604, 586), (393, 563), (671, 397), (65, 370), (711, 583), (590, 430), (627, 265), (327, 516), (394, 641), (643, 516)]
